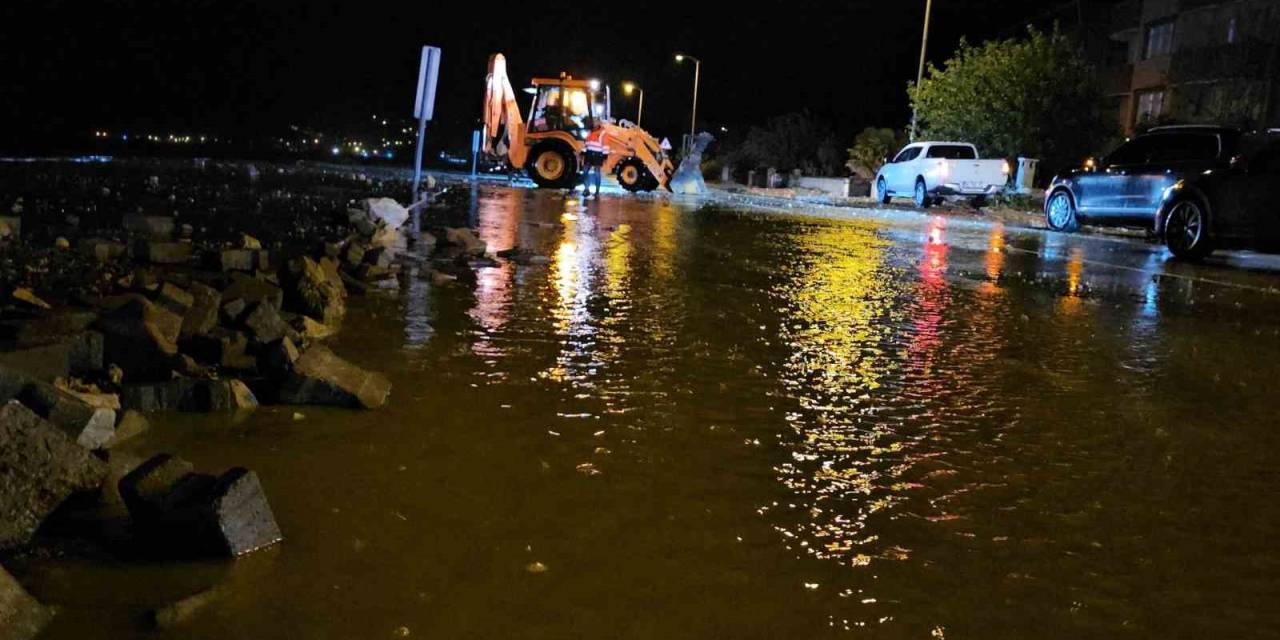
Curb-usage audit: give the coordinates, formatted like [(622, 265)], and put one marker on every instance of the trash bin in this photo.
[(1024, 180)]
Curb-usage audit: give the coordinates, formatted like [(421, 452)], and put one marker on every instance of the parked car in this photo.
[(1196, 188), (927, 172)]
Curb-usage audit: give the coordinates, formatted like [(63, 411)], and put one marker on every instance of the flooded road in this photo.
[(697, 423)]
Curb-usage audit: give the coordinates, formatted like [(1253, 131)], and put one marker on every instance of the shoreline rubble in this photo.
[(181, 294)]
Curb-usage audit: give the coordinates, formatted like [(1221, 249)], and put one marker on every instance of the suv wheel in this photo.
[(1186, 230), (1060, 212)]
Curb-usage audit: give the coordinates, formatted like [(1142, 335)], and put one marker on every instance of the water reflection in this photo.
[(838, 329), (497, 216)]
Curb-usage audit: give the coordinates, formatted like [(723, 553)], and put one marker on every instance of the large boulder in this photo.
[(222, 347), (244, 259), (141, 338), (46, 327), (21, 617), (91, 425), (102, 250), (44, 362), (386, 210), (202, 316), (320, 377), (263, 323), (317, 290), (174, 299), (153, 227), (42, 468), (157, 252), (52, 345), (249, 290), (183, 513), (190, 395), (466, 240)]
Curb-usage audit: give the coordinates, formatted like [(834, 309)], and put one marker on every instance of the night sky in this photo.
[(250, 68)]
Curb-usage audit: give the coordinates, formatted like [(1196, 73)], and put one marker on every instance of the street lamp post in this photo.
[(924, 45), (697, 72), (629, 88)]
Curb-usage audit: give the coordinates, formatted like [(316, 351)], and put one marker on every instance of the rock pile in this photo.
[(160, 309)]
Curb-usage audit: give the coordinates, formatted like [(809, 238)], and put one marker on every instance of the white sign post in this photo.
[(424, 105)]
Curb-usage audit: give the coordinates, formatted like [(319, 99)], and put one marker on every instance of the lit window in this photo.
[(1159, 40), (1150, 105)]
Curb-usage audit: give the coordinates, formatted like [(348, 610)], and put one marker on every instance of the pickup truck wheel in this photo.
[(1186, 231), (882, 191), (922, 198), (978, 202), (1060, 212), (552, 167)]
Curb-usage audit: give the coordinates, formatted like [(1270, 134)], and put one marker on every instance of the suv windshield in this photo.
[(952, 152)]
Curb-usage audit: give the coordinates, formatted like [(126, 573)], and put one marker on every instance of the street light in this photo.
[(924, 45), (630, 87), (697, 71)]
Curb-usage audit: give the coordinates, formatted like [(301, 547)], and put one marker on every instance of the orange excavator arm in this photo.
[(504, 128)]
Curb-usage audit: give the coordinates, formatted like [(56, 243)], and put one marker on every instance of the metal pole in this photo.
[(640, 113), (417, 175), (475, 151), (697, 70), (924, 46)]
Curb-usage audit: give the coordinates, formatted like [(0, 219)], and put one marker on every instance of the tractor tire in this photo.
[(552, 166), (634, 176)]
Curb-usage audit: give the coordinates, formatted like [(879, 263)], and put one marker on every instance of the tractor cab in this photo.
[(569, 105)]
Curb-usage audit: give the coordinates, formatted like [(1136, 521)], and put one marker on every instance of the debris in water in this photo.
[(536, 567)]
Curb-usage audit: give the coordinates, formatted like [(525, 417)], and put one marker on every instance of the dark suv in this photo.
[(1196, 187)]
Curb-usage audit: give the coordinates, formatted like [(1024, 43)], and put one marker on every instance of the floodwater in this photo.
[(697, 423)]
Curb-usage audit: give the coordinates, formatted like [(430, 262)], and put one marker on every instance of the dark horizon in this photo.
[(247, 69)]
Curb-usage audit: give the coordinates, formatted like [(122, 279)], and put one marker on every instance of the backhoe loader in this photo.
[(550, 145)]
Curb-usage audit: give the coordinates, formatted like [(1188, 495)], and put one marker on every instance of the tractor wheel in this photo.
[(551, 166), (634, 176)]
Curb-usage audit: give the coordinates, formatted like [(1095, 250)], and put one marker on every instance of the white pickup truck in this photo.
[(930, 171)]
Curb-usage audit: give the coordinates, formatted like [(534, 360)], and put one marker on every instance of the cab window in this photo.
[(952, 152), (908, 154)]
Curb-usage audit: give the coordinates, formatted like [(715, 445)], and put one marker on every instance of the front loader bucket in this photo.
[(688, 177)]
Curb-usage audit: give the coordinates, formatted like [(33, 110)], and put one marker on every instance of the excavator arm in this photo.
[(503, 126)]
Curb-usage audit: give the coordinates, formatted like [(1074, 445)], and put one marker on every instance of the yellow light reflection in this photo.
[(1072, 303), (994, 261)]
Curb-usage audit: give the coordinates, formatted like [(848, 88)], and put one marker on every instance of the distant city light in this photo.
[(335, 151)]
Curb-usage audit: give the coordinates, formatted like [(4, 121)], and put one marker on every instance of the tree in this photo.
[(793, 141), (870, 149), (1033, 97)]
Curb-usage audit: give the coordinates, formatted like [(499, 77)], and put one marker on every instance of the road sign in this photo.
[(424, 103), (423, 108)]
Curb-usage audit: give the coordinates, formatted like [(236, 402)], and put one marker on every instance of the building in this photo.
[(1194, 61)]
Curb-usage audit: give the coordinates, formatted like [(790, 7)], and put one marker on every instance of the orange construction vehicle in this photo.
[(550, 145)]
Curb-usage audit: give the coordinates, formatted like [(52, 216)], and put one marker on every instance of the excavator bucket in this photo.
[(688, 177)]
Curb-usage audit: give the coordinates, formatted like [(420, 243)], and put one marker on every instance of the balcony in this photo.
[(1248, 59)]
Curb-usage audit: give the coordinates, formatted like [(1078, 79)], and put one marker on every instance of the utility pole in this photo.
[(697, 73), (924, 47)]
